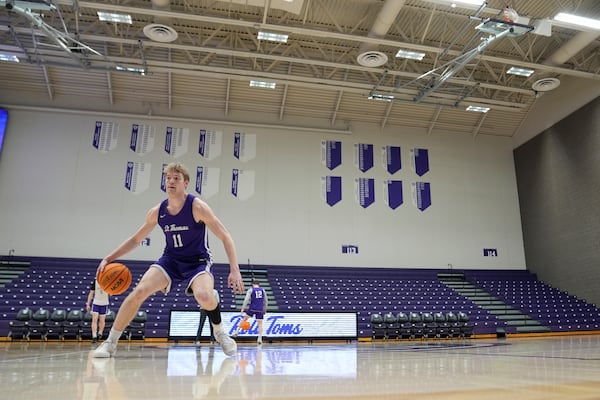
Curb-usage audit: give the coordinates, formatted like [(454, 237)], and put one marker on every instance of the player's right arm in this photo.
[(247, 300), (132, 241)]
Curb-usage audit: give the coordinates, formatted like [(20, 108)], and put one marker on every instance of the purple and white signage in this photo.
[(106, 136), (392, 159), (363, 156), (421, 192), (244, 146), (137, 176), (331, 189), (142, 139), (331, 154), (242, 183), (184, 323), (420, 161), (349, 249), (207, 181), (176, 141), (210, 144), (392, 193), (364, 188), (490, 252)]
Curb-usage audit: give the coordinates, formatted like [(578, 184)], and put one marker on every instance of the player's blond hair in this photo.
[(178, 167)]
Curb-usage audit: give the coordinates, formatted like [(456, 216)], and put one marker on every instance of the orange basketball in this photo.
[(245, 325), (115, 279)]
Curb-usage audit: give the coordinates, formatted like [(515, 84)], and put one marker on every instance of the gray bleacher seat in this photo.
[(72, 324), (19, 327), (378, 327), (417, 326), (466, 327), (54, 325), (137, 327), (37, 324), (429, 325), (392, 328)]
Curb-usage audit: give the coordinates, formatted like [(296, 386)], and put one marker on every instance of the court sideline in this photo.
[(565, 367)]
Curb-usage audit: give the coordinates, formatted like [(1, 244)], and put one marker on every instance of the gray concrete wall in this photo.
[(558, 180)]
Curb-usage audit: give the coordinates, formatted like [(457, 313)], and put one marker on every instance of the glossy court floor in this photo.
[(565, 367)]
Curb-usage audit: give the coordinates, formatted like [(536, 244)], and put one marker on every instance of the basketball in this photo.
[(115, 279), (245, 325), (510, 15)]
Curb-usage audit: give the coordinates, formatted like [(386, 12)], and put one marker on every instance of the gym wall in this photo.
[(76, 185)]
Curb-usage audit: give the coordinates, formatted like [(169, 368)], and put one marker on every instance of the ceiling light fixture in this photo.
[(578, 21), (411, 55), (8, 57), (458, 3), (272, 37), (478, 109), (520, 71), (133, 70), (115, 17), (382, 97), (263, 84)]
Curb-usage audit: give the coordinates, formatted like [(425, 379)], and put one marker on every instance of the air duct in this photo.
[(561, 56), (572, 47), (368, 54), (160, 31)]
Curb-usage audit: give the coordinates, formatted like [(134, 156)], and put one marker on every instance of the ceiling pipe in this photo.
[(161, 5), (368, 54), (572, 47), (545, 81)]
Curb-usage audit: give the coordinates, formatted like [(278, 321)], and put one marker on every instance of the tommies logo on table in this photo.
[(272, 326), (305, 324)]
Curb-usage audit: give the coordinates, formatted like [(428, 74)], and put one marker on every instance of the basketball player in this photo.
[(255, 305), (184, 220), (97, 303)]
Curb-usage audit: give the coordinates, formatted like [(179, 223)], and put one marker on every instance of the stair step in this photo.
[(513, 317), (500, 307), (480, 302), (503, 311), (454, 284), (532, 329), (523, 323), (452, 276)]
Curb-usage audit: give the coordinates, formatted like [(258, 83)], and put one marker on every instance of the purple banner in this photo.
[(134, 136), (366, 191), (235, 174), (202, 143), (129, 175), (97, 130), (168, 139), (393, 159), (364, 154), (422, 195), (199, 176), (237, 139), (333, 189), (395, 197), (333, 154), (421, 161)]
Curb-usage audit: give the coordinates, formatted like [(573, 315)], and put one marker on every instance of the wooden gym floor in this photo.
[(554, 367)]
